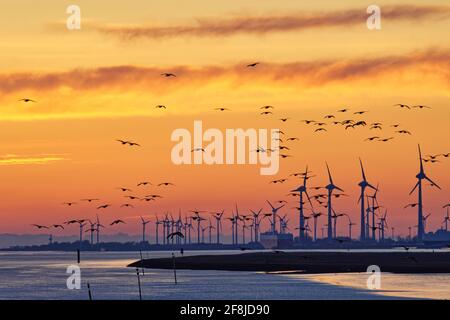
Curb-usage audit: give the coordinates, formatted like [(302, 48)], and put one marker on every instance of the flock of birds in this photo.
[(319, 126)]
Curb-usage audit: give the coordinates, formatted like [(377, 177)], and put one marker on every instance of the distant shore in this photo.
[(309, 262)]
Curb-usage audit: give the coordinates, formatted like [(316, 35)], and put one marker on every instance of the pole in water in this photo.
[(89, 291), (139, 284), (78, 256), (142, 263), (174, 268)]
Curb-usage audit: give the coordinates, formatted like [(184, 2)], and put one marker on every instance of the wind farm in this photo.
[(281, 141)]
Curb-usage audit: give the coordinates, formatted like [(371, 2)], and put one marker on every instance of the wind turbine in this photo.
[(210, 227), (199, 221), (425, 218), (157, 223), (218, 217), (256, 222), (446, 219), (302, 189), (274, 216), (350, 224), (363, 184), (335, 217), (420, 176), (383, 224), (330, 187), (144, 223), (98, 225), (236, 225), (315, 216), (372, 209)]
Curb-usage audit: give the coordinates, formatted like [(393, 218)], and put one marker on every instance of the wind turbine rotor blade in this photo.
[(270, 205), (329, 174), (362, 170), (414, 188), (432, 182)]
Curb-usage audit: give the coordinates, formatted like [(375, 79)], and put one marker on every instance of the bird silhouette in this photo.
[(372, 138), (173, 234), (342, 110), (130, 143), (116, 222), (412, 205), (252, 65), (89, 199), (320, 129), (144, 183), (329, 116), (160, 106), (127, 205), (360, 112), (402, 105), (267, 107), (284, 156), (284, 119), (385, 139), (403, 132), (57, 226), (168, 75), (266, 112), (69, 203), (124, 189), (166, 184), (198, 149), (103, 206), (132, 197), (421, 107), (308, 121), (27, 100), (39, 226), (292, 139), (222, 109)]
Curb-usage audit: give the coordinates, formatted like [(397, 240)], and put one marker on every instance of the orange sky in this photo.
[(96, 85)]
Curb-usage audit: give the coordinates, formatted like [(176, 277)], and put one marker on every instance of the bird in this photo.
[(329, 116), (173, 234), (89, 199), (116, 222), (412, 205), (168, 75), (267, 107), (198, 149), (395, 125), (103, 206), (166, 184), (57, 226), (69, 203), (153, 196), (320, 129), (292, 139), (403, 132), (131, 197), (127, 205), (252, 65), (285, 156), (372, 138), (360, 112), (160, 106), (446, 155), (130, 143), (447, 205), (266, 112), (39, 226), (320, 124), (284, 119), (386, 139), (124, 189), (342, 110), (421, 107), (144, 183), (308, 121), (278, 181), (283, 148), (401, 105), (27, 100), (376, 127), (222, 109)]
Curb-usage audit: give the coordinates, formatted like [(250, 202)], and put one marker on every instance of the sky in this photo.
[(102, 83)]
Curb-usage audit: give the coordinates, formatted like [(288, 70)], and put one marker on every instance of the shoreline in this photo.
[(308, 262)]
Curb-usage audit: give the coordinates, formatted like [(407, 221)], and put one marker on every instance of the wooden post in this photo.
[(174, 268), (89, 291), (78, 255), (139, 284)]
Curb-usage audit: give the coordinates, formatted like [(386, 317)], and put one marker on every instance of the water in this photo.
[(42, 275)]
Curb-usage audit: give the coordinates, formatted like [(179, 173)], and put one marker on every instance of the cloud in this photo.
[(12, 159), (435, 62), (258, 25)]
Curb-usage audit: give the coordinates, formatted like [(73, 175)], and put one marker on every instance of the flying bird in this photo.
[(222, 109), (284, 119), (173, 234), (412, 205), (166, 184), (124, 189), (421, 107), (168, 75), (402, 105), (386, 139), (27, 100), (198, 149), (403, 132), (360, 112), (103, 206), (160, 106), (266, 112), (267, 107), (144, 183), (116, 222), (252, 65), (39, 226), (372, 138), (320, 129), (89, 199), (127, 205)]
